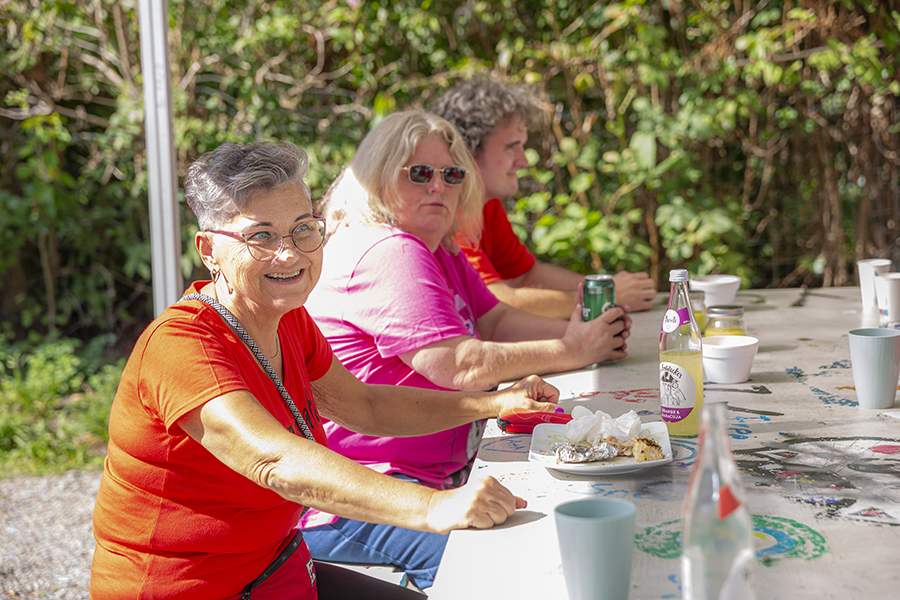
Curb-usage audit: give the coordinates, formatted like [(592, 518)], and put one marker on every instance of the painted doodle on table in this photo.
[(635, 396), (775, 539), (838, 368), (854, 477), (508, 445)]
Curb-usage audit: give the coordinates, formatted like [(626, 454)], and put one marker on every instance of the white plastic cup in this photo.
[(596, 541), (867, 268), (887, 290), (875, 359), (728, 358), (719, 289)]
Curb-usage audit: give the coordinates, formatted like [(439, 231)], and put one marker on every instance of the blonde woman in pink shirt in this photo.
[(400, 305)]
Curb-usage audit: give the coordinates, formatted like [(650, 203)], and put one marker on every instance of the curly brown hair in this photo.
[(476, 107)]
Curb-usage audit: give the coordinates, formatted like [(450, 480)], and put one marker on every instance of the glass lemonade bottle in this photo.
[(718, 556), (680, 362)]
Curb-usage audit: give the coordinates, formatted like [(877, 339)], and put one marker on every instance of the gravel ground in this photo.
[(46, 541)]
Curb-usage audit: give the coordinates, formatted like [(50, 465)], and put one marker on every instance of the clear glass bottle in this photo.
[(680, 362), (717, 560), (725, 320), (698, 307)]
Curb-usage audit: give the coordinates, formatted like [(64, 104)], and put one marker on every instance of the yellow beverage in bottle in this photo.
[(724, 331), (700, 317), (681, 391)]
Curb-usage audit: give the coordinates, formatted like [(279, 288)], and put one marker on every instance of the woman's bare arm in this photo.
[(398, 411), (516, 344), (238, 431)]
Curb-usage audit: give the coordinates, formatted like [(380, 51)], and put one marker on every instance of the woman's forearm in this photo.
[(516, 325), (468, 363), (399, 411), (238, 431)]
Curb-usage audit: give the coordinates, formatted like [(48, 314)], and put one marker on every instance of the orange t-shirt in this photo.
[(170, 519)]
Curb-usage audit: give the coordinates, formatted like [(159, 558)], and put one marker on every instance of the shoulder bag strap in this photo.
[(263, 361)]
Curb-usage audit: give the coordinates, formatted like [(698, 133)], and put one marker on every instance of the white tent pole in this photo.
[(165, 226)]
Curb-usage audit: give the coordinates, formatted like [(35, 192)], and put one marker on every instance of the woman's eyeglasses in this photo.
[(265, 244), (424, 173)]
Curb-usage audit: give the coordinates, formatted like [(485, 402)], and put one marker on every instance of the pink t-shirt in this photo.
[(383, 293)]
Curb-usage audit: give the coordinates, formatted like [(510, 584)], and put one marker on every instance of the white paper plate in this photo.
[(546, 434)]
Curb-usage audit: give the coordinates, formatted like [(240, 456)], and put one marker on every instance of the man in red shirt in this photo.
[(494, 119)]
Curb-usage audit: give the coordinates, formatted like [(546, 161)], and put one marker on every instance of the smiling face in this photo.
[(427, 210), (254, 289), (501, 156)]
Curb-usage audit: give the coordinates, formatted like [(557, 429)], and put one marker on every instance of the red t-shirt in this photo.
[(500, 255), (170, 519)]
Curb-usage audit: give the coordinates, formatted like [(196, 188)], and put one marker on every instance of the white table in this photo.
[(822, 475)]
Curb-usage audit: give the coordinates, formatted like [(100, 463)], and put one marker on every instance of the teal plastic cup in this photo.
[(596, 541), (875, 359)]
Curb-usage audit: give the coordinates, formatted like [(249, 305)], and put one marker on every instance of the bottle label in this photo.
[(677, 391), (675, 319)]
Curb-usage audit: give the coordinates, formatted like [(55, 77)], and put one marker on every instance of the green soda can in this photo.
[(599, 295)]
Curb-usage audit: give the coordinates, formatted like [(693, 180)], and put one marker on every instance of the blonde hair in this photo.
[(366, 191)]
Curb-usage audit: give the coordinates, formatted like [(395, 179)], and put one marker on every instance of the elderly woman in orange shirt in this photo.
[(216, 441)]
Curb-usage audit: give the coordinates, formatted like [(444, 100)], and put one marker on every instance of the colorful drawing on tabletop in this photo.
[(848, 477), (754, 389), (881, 515), (767, 413), (838, 368), (508, 445), (636, 396), (684, 452), (777, 538), (739, 426), (886, 449), (651, 489), (674, 578)]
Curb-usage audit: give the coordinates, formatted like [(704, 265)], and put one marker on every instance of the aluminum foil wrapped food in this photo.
[(567, 452)]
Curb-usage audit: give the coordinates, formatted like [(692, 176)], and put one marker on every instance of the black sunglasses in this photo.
[(424, 173)]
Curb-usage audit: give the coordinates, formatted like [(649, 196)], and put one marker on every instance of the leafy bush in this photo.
[(54, 407), (759, 138)]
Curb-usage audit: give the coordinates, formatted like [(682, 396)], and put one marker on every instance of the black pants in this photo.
[(337, 583)]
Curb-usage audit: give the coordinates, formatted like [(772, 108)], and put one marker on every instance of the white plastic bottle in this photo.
[(680, 362), (717, 561)]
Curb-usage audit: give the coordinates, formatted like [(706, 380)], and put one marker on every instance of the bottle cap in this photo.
[(676, 275)]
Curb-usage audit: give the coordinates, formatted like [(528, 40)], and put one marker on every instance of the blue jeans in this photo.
[(347, 541)]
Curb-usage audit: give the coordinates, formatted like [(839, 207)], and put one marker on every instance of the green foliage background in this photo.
[(759, 138)]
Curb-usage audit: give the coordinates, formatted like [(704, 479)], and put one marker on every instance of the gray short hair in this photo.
[(219, 184), (476, 107), (366, 190)]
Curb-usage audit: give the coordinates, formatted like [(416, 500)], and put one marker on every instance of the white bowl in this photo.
[(728, 358), (719, 289)]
